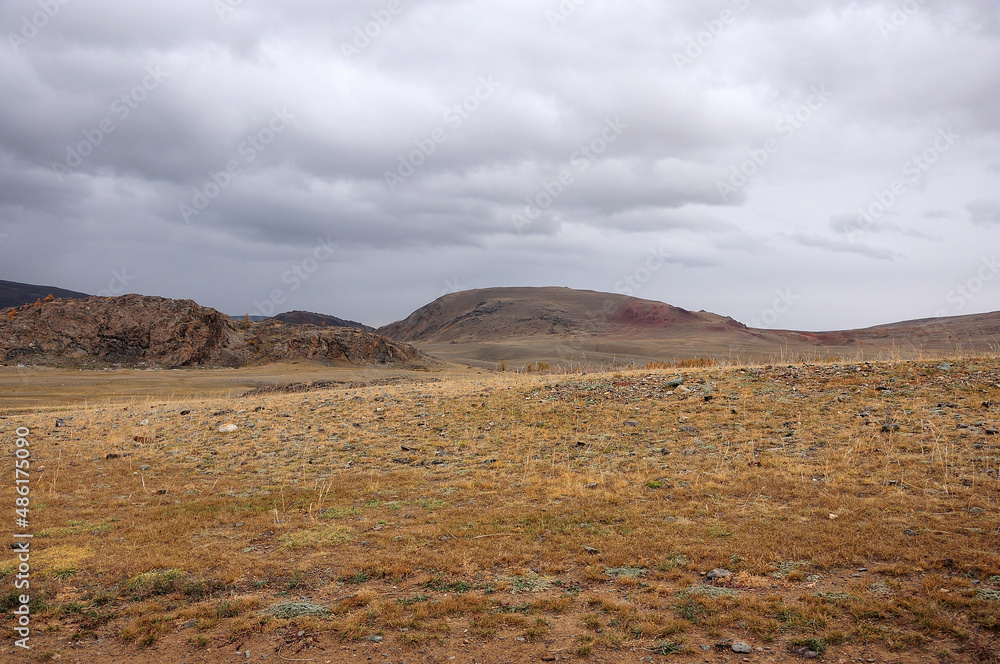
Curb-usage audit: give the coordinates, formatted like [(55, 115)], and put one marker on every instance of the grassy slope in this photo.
[(785, 475)]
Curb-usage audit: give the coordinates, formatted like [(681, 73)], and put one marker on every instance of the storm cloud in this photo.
[(362, 158)]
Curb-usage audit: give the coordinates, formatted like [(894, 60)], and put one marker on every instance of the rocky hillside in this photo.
[(136, 330), (319, 320), (14, 294), (496, 314)]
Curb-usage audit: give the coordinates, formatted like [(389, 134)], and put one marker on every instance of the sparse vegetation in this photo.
[(535, 506)]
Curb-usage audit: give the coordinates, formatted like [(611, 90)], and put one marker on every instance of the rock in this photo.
[(154, 331), (718, 573), (804, 652), (374, 638), (60, 422), (631, 423), (910, 532), (228, 428), (944, 366), (674, 382), (977, 511), (742, 648)]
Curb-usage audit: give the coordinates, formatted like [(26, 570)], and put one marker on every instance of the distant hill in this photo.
[(563, 325), (495, 314), (13, 294), (136, 330), (319, 320)]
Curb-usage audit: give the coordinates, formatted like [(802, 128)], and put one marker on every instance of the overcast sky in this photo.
[(795, 164)]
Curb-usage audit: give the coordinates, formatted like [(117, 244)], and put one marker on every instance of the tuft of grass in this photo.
[(628, 572), (296, 610), (155, 582), (314, 537)]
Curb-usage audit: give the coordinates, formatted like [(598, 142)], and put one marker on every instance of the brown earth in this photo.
[(136, 330), (567, 327)]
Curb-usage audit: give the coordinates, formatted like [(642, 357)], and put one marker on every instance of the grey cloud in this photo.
[(984, 212), (356, 115)]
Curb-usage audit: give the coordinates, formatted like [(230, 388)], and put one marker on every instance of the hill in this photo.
[(495, 314), (562, 325), (319, 320), (13, 294), (137, 330)]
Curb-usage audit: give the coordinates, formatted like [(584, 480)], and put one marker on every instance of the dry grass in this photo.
[(418, 511)]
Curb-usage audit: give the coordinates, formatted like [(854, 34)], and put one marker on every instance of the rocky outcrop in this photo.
[(273, 341), (136, 330), (319, 320)]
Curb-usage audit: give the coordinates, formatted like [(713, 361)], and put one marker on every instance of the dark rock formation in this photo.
[(137, 330)]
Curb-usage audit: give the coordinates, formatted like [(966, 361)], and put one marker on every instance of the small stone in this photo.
[(374, 638), (718, 573), (60, 422), (742, 648), (977, 511), (944, 367), (631, 423), (909, 532), (144, 423), (228, 428)]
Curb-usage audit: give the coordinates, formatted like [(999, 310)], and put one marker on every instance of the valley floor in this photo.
[(501, 517)]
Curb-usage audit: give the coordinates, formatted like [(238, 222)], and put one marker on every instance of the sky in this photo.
[(811, 165)]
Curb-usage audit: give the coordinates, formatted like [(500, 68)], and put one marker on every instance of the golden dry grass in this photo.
[(577, 513)]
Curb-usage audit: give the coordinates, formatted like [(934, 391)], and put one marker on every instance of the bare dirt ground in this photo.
[(464, 517)]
